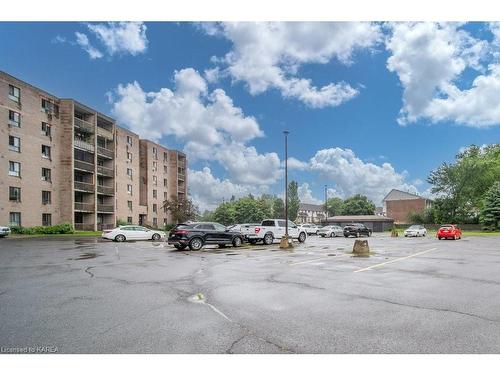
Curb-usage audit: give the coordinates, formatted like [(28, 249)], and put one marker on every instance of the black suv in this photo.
[(196, 235), (357, 230)]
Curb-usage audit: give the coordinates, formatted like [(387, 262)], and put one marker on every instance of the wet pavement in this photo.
[(410, 295)]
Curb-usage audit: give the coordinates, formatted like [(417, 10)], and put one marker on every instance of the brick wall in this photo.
[(399, 210)]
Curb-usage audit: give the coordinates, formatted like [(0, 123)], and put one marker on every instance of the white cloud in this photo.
[(121, 37), (294, 163), (83, 41), (305, 195), (209, 124), (430, 59), (268, 55)]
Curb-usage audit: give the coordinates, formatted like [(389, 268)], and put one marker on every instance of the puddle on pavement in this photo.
[(84, 256), (231, 254)]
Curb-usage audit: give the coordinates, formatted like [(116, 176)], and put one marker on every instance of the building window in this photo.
[(164, 221), (129, 205), (155, 222), (14, 143), (165, 182), (155, 210), (129, 140), (46, 220), (46, 197), (155, 194), (46, 129), (155, 180), (155, 151), (165, 157), (14, 169), (155, 166), (14, 194), (49, 107), (165, 169), (46, 175), (164, 195), (14, 119), (45, 152), (129, 219), (15, 93), (129, 172), (129, 156), (129, 189), (15, 219)]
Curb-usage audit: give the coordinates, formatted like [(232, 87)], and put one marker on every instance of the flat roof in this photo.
[(357, 218)]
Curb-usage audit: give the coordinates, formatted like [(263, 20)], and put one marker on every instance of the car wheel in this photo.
[(302, 237), (237, 242), (332, 234), (346, 235), (120, 238), (195, 244), (369, 234), (155, 237), (357, 234), (268, 239), (317, 232), (439, 238), (180, 247)]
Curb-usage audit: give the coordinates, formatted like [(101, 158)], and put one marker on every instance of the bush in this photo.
[(54, 229), (169, 227), (120, 222)]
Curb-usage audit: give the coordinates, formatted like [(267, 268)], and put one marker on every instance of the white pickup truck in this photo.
[(271, 229)]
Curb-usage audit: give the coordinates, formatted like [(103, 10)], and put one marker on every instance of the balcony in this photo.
[(84, 166), (105, 133), (181, 176), (84, 125), (108, 172), (107, 208), (110, 154), (84, 145), (105, 226), (82, 226), (84, 186), (87, 207), (105, 190)]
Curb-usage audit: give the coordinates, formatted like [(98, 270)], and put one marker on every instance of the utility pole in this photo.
[(284, 240), (326, 202)]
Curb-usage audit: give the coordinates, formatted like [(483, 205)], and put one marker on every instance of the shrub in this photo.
[(120, 222), (54, 229)]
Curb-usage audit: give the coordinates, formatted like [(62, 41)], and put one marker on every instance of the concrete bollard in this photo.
[(361, 247)]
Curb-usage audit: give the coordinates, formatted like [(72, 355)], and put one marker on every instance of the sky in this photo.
[(369, 106)]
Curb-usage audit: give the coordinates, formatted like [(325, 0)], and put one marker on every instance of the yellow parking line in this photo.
[(394, 260), (322, 258)]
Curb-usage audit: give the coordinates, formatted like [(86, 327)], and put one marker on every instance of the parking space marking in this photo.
[(326, 257), (394, 260)]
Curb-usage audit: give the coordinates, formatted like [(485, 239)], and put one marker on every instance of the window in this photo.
[(165, 157), (155, 180), (14, 194), (14, 119), (164, 222), (46, 129), (45, 151), (165, 169), (49, 107), (15, 219), (129, 172), (129, 140), (47, 197), (129, 219), (165, 182), (155, 194), (154, 151), (129, 156), (46, 220), (15, 93), (155, 222), (155, 166), (46, 174), (155, 208), (219, 227), (14, 143), (129, 205), (129, 189), (14, 169), (165, 195)]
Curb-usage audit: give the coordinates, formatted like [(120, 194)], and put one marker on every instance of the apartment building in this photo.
[(64, 162)]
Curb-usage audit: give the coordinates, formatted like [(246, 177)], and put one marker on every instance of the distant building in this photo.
[(311, 213), (399, 204), (379, 211), (376, 223)]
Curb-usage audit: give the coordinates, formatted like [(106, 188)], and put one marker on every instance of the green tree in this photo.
[(334, 206), (181, 209), (358, 205), (293, 200), (225, 213), (251, 210), (278, 208), (490, 214)]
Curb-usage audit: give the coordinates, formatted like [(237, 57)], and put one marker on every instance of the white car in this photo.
[(310, 228), (241, 227), (271, 229), (133, 232), (331, 231), (4, 231), (415, 231)]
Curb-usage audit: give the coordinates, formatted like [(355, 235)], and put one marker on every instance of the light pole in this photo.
[(284, 240), (326, 202)]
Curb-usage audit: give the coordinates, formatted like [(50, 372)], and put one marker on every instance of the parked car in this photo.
[(331, 231), (357, 230), (310, 228), (197, 235), (415, 231), (4, 231), (449, 231), (272, 229), (132, 232), (241, 227)]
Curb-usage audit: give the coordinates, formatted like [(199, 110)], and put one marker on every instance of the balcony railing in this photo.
[(181, 176), (84, 166), (105, 133), (106, 190), (105, 226), (87, 207), (84, 145), (109, 172), (84, 125), (82, 226), (105, 208), (105, 152), (84, 186)]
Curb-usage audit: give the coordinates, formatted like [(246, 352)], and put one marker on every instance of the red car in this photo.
[(449, 231)]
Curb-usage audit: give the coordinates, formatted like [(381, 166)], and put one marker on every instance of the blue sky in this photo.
[(369, 106)]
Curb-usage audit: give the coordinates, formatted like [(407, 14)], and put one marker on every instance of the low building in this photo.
[(376, 223), (400, 204), (311, 213)]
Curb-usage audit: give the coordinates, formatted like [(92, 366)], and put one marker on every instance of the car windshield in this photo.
[(414, 227), (446, 227)]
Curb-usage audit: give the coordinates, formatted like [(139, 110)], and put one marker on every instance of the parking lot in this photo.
[(411, 295)]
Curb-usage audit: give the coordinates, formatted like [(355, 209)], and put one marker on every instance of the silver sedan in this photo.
[(331, 231)]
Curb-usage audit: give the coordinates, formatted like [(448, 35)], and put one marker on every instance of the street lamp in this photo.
[(326, 202), (284, 240)]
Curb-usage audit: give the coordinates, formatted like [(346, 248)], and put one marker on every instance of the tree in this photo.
[(278, 208), (490, 214), (334, 206), (181, 209), (358, 205), (225, 213), (293, 200)]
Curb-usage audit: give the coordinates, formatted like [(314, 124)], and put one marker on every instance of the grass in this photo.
[(67, 235)]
